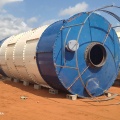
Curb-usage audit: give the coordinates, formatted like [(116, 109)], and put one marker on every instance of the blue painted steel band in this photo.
[(44, 55)]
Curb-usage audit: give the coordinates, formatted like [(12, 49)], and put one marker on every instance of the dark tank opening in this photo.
[(96, 55)]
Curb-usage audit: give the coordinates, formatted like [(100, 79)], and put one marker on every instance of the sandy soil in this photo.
[(41, 105)]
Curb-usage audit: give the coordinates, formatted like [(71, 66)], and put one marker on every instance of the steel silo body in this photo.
[(30, 56), (74, 55), (68, 70), (10, 56), (44, 55), (3, 57), (19, 55)]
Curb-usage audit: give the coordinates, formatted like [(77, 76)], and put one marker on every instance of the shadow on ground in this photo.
[(43, 92)]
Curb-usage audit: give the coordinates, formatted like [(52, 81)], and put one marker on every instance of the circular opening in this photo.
[(96, 55)]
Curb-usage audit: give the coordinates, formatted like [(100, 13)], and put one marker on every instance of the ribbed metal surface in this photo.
[(3, 57), (30, 55), (19, 56), (1, 71), (10, 56)]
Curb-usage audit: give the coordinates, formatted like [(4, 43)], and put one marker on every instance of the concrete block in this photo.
[(16, 80), (108, 94), (26, 83), (71, 97), (37, 87), (23, 97), (53, 91)]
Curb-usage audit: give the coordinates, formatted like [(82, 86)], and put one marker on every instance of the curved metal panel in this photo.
[(19, 56), (1, 71), (10, 56), (30, 56), (3, 58), (45, 55)]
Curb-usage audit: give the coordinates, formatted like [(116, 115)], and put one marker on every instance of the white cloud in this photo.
[(3, 2), (32, 20), (118, 28), (80, 7), (48, 22), (10, 25), (2, 11)]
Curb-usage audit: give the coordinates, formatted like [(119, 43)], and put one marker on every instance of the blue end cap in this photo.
[(69, 71), (44, 55), (77, 80)]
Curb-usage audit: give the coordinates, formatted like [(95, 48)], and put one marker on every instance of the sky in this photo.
[(17, 16)]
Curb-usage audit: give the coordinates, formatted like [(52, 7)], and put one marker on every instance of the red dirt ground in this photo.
[(41, 105)]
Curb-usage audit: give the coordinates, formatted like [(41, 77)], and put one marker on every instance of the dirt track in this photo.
[(41, 105)]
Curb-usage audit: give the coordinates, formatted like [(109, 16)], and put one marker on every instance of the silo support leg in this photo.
[(26, 83), (16, 80), (53, 91), (37, 87), (71, 97)]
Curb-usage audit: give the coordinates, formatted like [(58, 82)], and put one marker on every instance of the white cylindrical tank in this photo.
[(3, 58), (29, 55), (9, 56), (17, 58)]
